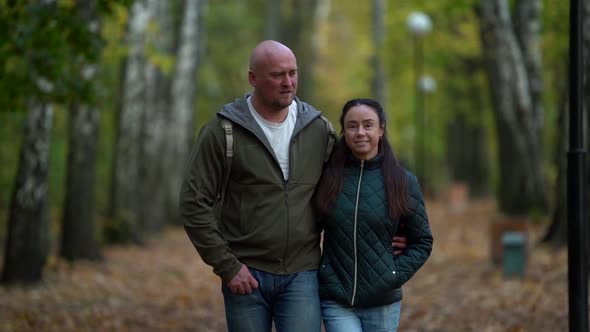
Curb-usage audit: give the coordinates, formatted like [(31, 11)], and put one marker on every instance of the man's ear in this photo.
[(252, 78)]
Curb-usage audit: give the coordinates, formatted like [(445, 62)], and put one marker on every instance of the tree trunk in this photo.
[(182, 115), (378, 82), (126, 223), (78, 233), (155, 180), (27, 243), (78, 237), (522, 185), (528, 31)]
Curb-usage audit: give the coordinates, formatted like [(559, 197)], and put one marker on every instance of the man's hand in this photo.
[(243, 282), (398, 244)]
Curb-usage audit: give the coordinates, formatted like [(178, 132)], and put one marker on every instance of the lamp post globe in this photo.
[(427, 84), (419, 24)]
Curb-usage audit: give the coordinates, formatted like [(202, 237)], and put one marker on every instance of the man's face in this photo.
[(275, 80)]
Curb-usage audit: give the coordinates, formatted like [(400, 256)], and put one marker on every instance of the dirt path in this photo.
[(166, 287)]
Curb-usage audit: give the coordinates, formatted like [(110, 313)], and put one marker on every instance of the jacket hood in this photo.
[(239, 113)]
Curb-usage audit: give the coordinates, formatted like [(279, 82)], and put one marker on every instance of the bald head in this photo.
[(266, 51), (273, 74)]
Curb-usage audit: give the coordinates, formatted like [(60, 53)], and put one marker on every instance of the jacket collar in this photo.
[(374, 163)]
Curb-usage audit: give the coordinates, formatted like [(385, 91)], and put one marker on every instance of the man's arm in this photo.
[(199, 192)]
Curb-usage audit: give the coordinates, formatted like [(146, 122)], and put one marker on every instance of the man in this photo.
[(266, 245)]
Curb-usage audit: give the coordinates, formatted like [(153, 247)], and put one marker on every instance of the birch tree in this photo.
[(126, 200), (182, 114), (157, 102), (27, 239), (511, 54)]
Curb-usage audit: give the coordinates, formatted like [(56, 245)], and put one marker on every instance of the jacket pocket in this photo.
[(330, 285), (326, 274), (391, 274)]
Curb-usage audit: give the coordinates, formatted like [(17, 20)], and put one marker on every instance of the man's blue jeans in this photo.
[(342, 318), (292, 301)]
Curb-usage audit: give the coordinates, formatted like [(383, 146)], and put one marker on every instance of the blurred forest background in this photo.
[(100, 101)]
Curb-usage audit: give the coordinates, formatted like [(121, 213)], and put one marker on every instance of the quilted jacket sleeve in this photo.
[(417, 232)]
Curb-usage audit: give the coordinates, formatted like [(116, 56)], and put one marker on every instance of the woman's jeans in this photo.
[(292, 301), (343, 318)]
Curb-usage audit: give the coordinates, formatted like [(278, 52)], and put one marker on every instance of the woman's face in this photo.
[(362, 131)]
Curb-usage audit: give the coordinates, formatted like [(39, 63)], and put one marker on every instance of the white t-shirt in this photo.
[(278, 134)]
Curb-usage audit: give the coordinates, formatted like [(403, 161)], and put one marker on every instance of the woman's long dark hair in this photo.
[(394, 175)]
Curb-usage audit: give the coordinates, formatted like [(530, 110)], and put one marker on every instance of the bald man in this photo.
[(266, 244)]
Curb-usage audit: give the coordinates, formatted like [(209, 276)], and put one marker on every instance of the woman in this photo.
[(364, 196)]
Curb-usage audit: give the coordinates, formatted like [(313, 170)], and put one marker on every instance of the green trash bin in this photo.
[(513, 254)]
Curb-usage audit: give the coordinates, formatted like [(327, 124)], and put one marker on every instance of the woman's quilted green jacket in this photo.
[(358, 267)]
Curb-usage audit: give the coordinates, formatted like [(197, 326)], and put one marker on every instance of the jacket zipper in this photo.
[(356, 207), (283, 260), (286, 196)]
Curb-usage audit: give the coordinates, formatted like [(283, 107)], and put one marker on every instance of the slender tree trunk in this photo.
[(27, 243), (153, 190), (378, 82), (182, 115), (522, 185), (78, 237), (126, 224)]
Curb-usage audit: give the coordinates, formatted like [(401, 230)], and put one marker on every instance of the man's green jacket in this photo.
[(265, 222)]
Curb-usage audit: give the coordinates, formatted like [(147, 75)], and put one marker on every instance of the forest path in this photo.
[(164, 286)]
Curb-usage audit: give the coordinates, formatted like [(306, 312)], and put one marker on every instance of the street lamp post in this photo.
[(419, 25), (426, 85), (576, 177)]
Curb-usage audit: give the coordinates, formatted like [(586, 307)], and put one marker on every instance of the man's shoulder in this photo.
[(308, 113), (236, 111), (305, 107)]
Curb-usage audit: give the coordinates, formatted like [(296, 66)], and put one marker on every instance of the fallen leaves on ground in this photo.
[(164, 286), (459, 289)]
